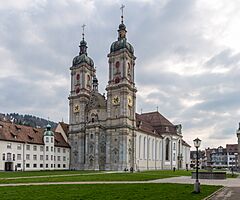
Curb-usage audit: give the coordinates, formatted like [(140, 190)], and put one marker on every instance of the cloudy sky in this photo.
[(188, 58)]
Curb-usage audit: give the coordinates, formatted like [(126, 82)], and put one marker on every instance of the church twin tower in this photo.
[(102, 129)]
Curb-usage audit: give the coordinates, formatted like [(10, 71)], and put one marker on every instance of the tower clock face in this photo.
[(130, 101), (115, 100), (76, 108)]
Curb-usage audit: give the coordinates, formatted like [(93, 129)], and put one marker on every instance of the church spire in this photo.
[(122, 28), (121, 8), (83, 43)]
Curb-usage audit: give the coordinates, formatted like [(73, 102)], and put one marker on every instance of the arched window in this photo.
[(179, 146), (156, 150), (144, 148), (160, 150), (117, 80), (88, 80), (78, 77), (153, 152), (148, 147), (117, 67), (139, 146), (167, 146)]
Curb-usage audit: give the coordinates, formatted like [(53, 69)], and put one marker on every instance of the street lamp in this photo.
[(197, 143)]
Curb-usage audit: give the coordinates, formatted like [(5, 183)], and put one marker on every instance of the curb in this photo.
[(211, 195)]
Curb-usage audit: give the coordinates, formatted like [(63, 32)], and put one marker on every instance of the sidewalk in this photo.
[(230, 182)]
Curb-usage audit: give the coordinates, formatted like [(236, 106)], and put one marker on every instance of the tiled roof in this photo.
[(232, 148), (65, 127), (26, 134), (144, 125), (59, 140), (155, 122), (185, 143)]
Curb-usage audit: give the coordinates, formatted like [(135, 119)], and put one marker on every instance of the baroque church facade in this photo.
[(106, 133)]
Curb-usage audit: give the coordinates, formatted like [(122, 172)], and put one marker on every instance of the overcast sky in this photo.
[(188, 58)]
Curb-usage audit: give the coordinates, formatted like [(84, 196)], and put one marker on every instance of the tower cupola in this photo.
[(83, 57), (121, 43), (48, 131)]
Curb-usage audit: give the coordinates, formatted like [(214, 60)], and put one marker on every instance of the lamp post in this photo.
[(197, 143)]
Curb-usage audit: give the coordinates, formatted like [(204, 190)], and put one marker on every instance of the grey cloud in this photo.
[(225, 58), (161, 30)]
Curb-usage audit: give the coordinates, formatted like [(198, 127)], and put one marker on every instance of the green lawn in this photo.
[(125, 176), (232, 176), (40, 173), (106, 192), (77, 176)]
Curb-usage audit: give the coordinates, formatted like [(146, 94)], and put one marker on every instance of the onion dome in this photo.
[(83, 57), (48, 131), (121, 43)]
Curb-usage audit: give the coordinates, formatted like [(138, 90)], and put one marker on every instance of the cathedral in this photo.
[(105, 132)]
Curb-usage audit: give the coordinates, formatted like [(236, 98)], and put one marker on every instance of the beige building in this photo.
[(105, 132)]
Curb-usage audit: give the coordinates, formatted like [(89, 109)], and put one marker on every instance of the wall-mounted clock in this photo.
[(76, 108), (116, 100), (130, 101)]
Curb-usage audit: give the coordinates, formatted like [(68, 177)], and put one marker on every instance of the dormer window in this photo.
[(17, 128), (13, 135), (35, 130), (30, 137)]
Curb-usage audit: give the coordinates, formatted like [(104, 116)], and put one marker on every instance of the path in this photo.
[(230, 182)]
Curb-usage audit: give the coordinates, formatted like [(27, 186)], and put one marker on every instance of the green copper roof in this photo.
[(48, 131), (83, 59), (121, 44)]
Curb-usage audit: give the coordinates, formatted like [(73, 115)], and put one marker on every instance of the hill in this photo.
[(28, 120)]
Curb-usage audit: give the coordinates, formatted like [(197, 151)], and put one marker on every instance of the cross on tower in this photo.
[(121, 8), (83, 27)]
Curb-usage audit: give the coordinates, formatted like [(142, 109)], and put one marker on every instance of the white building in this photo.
[(106, 133), (232, 155), (26, 148)]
